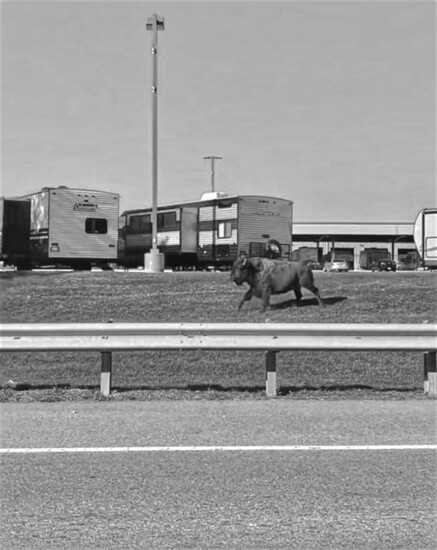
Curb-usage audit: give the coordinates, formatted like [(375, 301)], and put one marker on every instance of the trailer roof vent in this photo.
[(211, 195)]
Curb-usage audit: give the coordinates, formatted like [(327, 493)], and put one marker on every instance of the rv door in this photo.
[(189, 216)]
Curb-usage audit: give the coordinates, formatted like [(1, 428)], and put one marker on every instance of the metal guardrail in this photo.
[(271, 338)]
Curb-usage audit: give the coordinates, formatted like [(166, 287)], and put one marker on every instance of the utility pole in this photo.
[(154, 261), (212, 159)]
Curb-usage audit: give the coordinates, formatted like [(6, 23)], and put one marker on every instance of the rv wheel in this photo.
[(273, 249)]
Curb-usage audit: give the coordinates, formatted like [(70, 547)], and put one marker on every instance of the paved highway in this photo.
[(114, 492)]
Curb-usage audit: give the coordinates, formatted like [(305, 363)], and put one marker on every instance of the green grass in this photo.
[(405, 297)]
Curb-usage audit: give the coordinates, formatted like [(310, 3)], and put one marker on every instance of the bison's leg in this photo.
[(310, 286), (266, 298), (317, 295), (307, 281), (298, 294), (246, 298)]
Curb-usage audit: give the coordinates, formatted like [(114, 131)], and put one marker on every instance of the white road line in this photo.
[(203, 448)]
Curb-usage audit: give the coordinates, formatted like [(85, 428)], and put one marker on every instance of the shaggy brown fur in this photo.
[(266, 277)]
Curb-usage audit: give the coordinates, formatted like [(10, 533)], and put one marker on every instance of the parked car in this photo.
[(337, 265), (385, 264)]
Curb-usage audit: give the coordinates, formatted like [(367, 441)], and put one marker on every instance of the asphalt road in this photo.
[(299, 498)]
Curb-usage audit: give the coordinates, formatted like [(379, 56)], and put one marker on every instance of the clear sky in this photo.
[(329, 104)]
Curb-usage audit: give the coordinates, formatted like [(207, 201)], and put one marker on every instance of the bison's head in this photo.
[(244, 270)]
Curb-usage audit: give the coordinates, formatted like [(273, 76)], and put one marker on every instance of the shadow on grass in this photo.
[(20, 275), (305, 302), (281, 391), (14, 274)]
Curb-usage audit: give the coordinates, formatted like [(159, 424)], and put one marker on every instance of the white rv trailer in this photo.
[(212, 231), (425, 236), (75, 227)]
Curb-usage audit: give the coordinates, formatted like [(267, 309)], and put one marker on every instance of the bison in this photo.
[(266, 277)]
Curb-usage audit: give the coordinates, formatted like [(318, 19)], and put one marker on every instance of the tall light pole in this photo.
[(154, 261), (212, 159)]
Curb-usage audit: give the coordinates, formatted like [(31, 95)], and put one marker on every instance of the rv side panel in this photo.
[(261, 219), (83, 225), (218, 235)]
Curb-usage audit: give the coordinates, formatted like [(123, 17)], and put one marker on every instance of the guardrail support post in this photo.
[(270, 373), (425, 372), (105, 375), (430, 373)]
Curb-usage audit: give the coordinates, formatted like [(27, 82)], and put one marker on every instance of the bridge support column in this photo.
[(270, 373), (105, 375)]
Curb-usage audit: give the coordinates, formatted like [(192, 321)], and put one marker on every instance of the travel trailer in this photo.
[(212, 231), (425, 237), (64, 227)]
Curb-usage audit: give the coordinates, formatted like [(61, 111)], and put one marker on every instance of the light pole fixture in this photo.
[(212, 159), (154, 261)]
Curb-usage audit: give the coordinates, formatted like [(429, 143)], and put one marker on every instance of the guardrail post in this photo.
[(105, 375), (431, 373), (271, 373), (425, 372)]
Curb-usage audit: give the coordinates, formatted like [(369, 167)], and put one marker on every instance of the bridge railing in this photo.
[(268, 337)]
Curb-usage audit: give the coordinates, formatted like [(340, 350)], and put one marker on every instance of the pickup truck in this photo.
[(384, 264)]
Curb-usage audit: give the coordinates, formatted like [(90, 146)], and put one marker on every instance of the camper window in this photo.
[(140, 224), (166, 220), (224, 230), (96, 225)]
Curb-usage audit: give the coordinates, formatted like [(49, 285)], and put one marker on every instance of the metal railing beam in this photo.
[(270, 338)]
